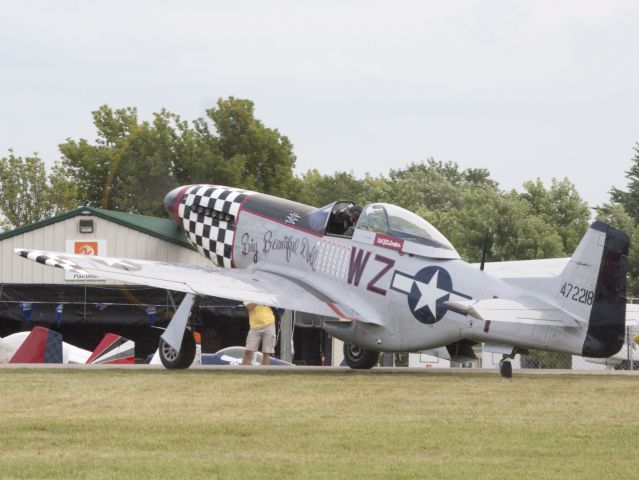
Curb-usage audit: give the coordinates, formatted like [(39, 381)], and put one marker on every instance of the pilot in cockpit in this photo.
[(355, 212)]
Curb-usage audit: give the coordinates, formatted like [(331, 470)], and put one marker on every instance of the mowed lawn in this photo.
[(103, 423)]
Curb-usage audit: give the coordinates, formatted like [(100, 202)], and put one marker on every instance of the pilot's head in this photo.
[(356, 211)]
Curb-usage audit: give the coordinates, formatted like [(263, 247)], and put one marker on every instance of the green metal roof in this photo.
[(162, 228)]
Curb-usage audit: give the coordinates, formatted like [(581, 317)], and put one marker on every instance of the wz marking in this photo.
[(357, 264), (577, 293)]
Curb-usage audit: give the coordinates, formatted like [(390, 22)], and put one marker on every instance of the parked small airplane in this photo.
[(233, 356), (42, 345), (392, 283)]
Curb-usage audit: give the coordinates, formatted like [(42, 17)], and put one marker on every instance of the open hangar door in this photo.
[(312, 345), (83, 314)]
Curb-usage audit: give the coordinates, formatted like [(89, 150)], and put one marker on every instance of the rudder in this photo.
[(606, 329), (593, 288), (41, 346), (113, 349)]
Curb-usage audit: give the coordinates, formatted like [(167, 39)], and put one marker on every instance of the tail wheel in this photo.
[(173, 359), (359, 358), (505, 369)]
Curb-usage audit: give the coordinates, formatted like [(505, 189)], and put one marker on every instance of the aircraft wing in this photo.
[(524, 310), (256, 286)]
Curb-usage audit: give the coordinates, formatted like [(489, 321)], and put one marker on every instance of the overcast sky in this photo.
[(525, 89)]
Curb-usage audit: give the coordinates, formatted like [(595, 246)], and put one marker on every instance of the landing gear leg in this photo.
[(505, 367)]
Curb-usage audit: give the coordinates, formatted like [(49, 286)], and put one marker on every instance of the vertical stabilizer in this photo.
[(113, 349), (41, 346), (592, 288)]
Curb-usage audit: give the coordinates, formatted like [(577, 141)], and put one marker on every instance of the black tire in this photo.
[(172, 359), (359, 358), (625, 365), (506, 369)]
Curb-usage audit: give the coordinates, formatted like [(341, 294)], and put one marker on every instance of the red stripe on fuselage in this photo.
[(338, 312)]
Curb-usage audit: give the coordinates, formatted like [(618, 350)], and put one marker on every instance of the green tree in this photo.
[(431, 185), (132, 164), (28, 195), (94, 167), (629, 199), (519, 234), (514, 231), (622, 212), (320, 190), (144, 172), (129, 167), (266, 155), (462, 204), (561, 207)]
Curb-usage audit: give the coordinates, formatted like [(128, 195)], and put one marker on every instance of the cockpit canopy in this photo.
[(400, 223), (416, 235)]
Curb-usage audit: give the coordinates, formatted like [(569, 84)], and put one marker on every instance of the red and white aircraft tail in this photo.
[(42, 345), (113, 349)]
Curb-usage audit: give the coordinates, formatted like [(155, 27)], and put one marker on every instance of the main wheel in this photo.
[(359, 358), (505, 369), (172, 359)]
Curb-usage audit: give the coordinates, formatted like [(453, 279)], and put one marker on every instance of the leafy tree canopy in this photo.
[(629, 198), (132, 164), (27, 194)]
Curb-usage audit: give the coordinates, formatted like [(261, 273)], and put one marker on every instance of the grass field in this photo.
[(227, 424)]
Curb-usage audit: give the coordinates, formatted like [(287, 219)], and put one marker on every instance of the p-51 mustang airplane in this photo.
[(395, 285)]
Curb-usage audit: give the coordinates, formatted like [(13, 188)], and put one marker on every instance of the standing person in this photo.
[(262, 330)]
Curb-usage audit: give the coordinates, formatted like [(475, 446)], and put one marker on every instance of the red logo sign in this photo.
[(386, 241), (86, 248)]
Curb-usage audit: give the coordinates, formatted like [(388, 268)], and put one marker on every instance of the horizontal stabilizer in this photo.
[(524, 310), (113, 349), (41, 346), (523, 269), (530, 275)]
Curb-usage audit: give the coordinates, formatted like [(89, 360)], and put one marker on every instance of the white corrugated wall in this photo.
[(122, 242)]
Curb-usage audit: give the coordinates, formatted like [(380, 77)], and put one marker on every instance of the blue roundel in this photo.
[(431, 288)]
